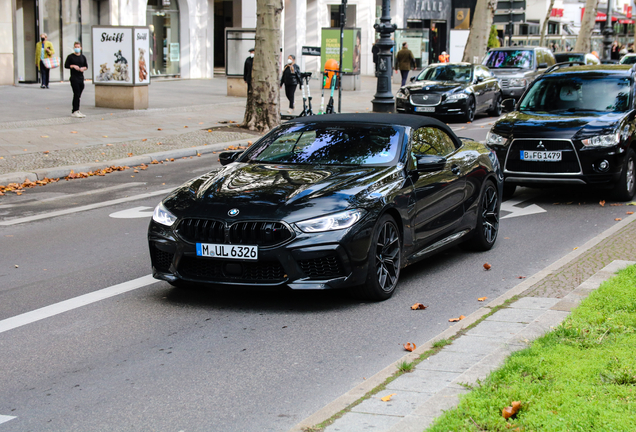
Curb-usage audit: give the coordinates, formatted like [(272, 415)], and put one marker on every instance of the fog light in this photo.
[(603, 165)]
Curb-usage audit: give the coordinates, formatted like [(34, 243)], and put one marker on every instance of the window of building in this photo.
[(334, 14), (162, 17)]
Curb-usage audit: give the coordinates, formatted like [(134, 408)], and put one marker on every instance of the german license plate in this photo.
[(227, 251), (424, 109), (541, 156)]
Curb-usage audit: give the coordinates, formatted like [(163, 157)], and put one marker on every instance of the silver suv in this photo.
[(517, 67)]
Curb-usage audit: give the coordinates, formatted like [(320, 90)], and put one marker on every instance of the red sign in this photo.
[(558, 13)]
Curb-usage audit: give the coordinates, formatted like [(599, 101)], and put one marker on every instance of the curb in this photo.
[(63, 171), (369, 384)]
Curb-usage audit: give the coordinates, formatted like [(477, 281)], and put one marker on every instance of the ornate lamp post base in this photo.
[(383, 101)]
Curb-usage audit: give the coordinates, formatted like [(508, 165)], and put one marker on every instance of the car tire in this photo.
[(626, 186), (487, 227), (385, 259), (496, 109), (469, 115), (509, 190)]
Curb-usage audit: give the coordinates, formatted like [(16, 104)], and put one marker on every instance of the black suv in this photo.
[(574, 125)]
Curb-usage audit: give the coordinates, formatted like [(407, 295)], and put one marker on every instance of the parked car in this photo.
[(574, 126), (586, 58), (330, 201), (516, 67), (628, 59), (455, 89)]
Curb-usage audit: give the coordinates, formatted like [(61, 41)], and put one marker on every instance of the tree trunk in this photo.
[(477, 43), (262, 110), (544, 28), (584, 39)]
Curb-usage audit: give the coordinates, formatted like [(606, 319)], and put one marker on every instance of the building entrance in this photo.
[(162, 17)]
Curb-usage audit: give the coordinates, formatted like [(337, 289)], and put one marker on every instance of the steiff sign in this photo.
[(311, 51), (120, 66)]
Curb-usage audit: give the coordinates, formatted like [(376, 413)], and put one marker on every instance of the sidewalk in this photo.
[(34, 121), (531, 309)]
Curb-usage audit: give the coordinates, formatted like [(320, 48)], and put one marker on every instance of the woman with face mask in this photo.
[(43, 49), (291, 79), (77, 63)]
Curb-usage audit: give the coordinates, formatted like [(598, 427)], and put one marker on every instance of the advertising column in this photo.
[(120, 65)]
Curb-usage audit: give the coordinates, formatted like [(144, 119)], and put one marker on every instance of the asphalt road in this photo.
[(124, 356)]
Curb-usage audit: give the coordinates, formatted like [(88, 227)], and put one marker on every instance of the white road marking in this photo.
[(74, 303), (510, 206), (135, 212), (72, 196), (5, 418), (84, 208)]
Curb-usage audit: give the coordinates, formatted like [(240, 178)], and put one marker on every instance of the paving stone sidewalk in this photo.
[(435, 385)]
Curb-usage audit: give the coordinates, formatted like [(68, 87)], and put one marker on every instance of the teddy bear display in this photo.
[(143, 72)]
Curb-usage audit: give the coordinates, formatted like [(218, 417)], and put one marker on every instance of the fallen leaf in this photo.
[(16, 266), (200, 122), (109, 145), (506, 238), (185, 126), (171, 159), (632, 203), (618, 219), (159, 129), (510, 411), (209, 130), (616, 204), (136, 171), (410, 347), (104, 136), (44, 136), (46, 152), (482, 298), (198, 154), (461, 317), (453, 320), (629, 213), (129, 154), (487, 266), (145, 139), (521, 277), (602, 203), (575, 248), (417, 306), (387, 398)]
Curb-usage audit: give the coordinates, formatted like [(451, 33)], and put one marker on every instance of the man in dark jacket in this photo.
[(247, 70), (405, 61), (291, 79), (77, 63)]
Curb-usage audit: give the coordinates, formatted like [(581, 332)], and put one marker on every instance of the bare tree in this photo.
[(544, 28), (477, 43), (262, 111), (584, 39)]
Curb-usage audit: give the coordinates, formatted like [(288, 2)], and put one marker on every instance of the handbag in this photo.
[(52, 62)]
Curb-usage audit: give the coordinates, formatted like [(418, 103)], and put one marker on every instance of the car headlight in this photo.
[(332, 222), (163, 216), (494, 139), (458, 96), (402, 93), (517, 82), (603, 140)]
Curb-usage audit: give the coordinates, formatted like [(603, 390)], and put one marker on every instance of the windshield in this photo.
[(509, 59), (578, 93), (569, 57), (319, 144), (628, 59), (455, 73)]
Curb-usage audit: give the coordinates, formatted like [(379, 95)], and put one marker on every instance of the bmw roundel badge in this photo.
[(233, 212)]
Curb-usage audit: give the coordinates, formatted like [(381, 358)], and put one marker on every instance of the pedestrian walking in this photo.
[(444, 57), (77, 63), (43, 49), (615, 52), (247, 70), (291, 79), (405, 61)]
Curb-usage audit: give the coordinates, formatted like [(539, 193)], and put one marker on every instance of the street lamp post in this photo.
[(608, 33), (383, 99)]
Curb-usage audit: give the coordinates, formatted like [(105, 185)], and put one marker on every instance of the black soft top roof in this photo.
[(411, 120)]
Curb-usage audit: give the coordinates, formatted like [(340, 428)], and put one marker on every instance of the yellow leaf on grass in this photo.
[(388, 397)]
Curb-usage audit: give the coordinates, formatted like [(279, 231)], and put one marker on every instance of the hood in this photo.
[(510, 72), (279, 192), (576, 125), (434, 86)]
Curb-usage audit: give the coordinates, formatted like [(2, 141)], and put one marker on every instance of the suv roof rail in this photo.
[(563, 64)]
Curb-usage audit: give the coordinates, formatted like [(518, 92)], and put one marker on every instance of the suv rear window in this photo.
[(578, 93), (521, 59)]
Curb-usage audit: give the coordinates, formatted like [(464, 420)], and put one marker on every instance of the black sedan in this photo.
[(574, 126), (457, 89), (330, 201)]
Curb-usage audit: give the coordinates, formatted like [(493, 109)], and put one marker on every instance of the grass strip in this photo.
[(579, 377), (405, 367)]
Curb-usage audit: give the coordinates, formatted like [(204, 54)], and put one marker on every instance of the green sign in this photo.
[(351, 48)]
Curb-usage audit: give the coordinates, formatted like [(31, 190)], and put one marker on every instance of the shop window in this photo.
[(334, 14), (162, 17)]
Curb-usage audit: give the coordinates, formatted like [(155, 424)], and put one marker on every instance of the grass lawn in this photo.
[(579, 377)]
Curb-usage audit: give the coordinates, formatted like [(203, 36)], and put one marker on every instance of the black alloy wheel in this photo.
[(626, 186), (496, 108), (385, 257), (469, 115), (487, 227)]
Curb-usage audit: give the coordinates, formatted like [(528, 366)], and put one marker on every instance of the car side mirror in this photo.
[(543, 65), (412, 79), (508, 105), (229, 156), (479, 79), (430, 163)]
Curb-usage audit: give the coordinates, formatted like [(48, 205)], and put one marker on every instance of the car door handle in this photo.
[(455, 169)]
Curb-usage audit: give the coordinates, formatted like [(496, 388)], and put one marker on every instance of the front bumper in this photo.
[(326, 260), (445, 107), (512, 92)]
